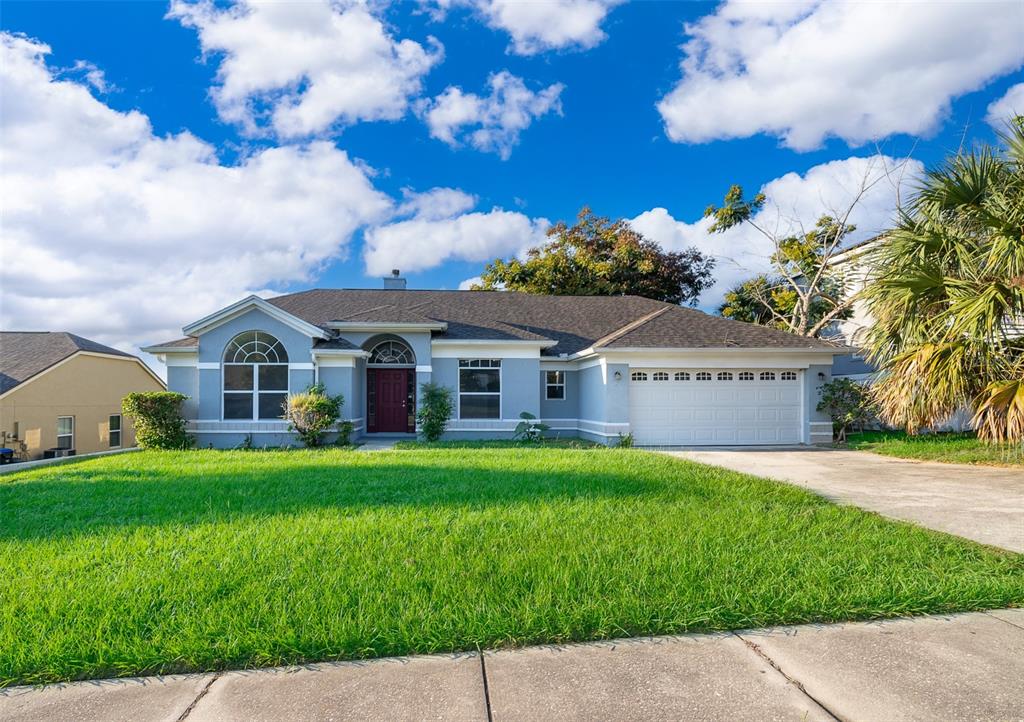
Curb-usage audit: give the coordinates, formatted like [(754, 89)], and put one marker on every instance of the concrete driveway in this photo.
[(982, 503)]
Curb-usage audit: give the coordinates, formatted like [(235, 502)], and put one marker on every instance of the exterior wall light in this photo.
[(618, 376)]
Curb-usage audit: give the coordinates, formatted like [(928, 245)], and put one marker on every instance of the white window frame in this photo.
[(548, 386), (255, 391), (725, 376), (60, 435), (681, 376), (704, 376), (638, 376), (119, 431), (501, 385), (788, 376)]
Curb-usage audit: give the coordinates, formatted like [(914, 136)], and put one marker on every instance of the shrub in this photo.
[(848, 403), (435, 410), (345, 429), (157, 419), (529, 429), (312, 412), (625, 441)]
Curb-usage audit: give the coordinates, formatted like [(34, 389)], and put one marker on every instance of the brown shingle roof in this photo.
[(23, 354), (573, 322)]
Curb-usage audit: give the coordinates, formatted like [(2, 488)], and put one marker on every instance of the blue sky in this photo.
[(598, 138)]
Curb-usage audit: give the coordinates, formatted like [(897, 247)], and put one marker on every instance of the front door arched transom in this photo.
[(391, 388)]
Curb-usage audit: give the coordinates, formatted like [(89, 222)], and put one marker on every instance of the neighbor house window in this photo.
[(479, 389), (65, 432), (767, 375), (746, 376), (554, 385), (682, 376), (703, 375), (639, 376), (114, 430), (725, 376), (255, 377), (789, 375)]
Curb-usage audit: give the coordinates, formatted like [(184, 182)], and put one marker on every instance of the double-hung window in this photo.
[(255, 377), (554, 385), (65, 432), (479, 388), (114, 430)]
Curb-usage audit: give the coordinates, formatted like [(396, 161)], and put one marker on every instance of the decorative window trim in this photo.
[(660, 376), (725, 376), (703, 375), (746, 376), (682, 376), (788, 376), (767, 375), (268, 349), (558, 383), (638, 376), (468, 365), (68, 434), (391, 352), (111, 430)]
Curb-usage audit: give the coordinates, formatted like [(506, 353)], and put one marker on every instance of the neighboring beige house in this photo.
[(61, 392)]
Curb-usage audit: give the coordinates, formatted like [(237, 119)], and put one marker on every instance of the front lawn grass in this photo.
[(953, 448), (159, 562)]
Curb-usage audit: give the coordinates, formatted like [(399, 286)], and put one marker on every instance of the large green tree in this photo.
[(946, 293), (804, 293), (600, 257)]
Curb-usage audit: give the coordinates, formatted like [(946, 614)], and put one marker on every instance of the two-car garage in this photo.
[(695, 406)]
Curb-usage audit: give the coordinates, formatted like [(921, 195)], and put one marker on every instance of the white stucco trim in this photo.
[(558, 365), (180, 359), (160, 350), (487, 349), (424, 369), (717, 358), (237, 309), (208, 365), (300, 367), (328, 362)]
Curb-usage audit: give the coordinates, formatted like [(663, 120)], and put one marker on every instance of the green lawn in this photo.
[(162, 562), (950, 448)]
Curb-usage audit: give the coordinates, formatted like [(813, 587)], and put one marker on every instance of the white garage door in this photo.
[(669, 407)]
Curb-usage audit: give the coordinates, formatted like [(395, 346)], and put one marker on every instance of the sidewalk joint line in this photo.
[(792, 680), (1012, 624), (487, 691), (202, 693)]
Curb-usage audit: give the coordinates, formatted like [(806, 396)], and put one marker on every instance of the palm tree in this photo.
[(947, 295)]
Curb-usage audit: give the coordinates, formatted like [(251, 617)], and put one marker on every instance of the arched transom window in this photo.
[(255, 377), (390, 353)]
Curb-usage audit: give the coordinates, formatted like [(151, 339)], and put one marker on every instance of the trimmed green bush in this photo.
[(157, 419), (435, 410), (312, 413)]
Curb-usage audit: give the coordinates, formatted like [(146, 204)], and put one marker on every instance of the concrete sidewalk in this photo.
[(962, 667)]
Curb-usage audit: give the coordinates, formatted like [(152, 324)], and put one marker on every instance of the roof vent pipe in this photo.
[(394, 282)]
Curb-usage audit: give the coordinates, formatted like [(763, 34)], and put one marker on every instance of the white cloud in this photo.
[(435, 204), (468, 284), (308, 65), (856, 70), (1006, 108), (429, 239), (122, 236), (492, 123), (794, 200), (536, 27)]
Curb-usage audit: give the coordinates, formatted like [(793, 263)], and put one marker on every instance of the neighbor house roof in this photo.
[(24, 354), (565, 324)]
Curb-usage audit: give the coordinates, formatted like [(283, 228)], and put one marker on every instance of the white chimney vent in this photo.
[(394, 282)]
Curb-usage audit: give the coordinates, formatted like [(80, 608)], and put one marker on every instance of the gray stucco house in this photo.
[(594, 367)]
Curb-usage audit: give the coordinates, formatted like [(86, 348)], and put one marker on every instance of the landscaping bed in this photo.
[(954, 448), (161, 562)]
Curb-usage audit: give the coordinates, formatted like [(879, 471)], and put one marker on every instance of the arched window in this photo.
[(391, 353), (255, 377), (682, 376)]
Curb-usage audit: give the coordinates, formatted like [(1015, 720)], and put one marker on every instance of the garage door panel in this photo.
[(713, 412)]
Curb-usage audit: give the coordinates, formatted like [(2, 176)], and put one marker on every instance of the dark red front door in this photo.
[(392, 400)]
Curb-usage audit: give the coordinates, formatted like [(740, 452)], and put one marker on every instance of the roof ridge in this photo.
[(632, 325)]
